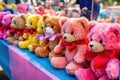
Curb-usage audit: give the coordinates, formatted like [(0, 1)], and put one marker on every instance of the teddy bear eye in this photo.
[(64, 31), (30, 23), (41, 27), (72, 33), (91, 39), (52, 26), (101, 41), (14, 22)]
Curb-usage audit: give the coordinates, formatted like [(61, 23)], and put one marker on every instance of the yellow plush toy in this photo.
[(40, 31), (13, 6), (2, 5), (30, 32)]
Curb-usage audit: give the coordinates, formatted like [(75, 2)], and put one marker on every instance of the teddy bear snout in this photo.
[(49, 30), (91, 45)]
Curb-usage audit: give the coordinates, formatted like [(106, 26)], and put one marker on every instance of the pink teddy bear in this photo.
[(74, 31), (2, 28), (6, 21), (103, 53)]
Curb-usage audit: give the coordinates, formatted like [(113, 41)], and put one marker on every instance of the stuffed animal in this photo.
[(52, 31), (30, 32), (13, 6), (74, 32), (40, 32), (16, 29), (103, 53), (2, 28), (21, 8), (6, 21)]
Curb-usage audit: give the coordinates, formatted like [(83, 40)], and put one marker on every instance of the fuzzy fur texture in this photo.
[(104, 51), (73, 29)]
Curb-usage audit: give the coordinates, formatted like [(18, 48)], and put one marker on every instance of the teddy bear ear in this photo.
[(84, 22), (115, 29), (63, 20), (92, 24), (23, 16), (45, 16)]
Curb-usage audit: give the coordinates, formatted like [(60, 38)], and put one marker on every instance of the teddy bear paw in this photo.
[(58, 62), (112, 69), (41, 52), (72, 67), (85, 74)]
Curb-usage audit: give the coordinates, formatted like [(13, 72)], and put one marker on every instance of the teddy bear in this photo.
[(40, 32), (17, 27), (51, 37), (2, 28), (6, 21), (30, 32), (74, 40), (103, 53)]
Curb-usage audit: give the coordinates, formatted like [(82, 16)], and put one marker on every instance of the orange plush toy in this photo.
[(51, 37)]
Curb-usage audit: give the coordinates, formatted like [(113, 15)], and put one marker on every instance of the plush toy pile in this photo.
[(87, 49)]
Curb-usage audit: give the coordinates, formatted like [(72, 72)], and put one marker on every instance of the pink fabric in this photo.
[(22, 69)]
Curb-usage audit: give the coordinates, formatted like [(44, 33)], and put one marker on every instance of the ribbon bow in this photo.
[(100, 59), (72, 45), (18, 31), (31, 31), (50, 36)]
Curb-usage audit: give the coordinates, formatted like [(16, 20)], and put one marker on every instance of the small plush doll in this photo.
[(103, 53), (30, 32), (16, 29), (2, 28), (40, 32), (74, 41), (52, 35), (41, 10), (6, 21), (21, 8)]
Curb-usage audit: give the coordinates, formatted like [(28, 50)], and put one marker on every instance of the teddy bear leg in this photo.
[(42, 51), (10, 40), (104, 78), (16, 42), (53, 54), (58, 62), (85, 74), (72, 67), (32, 47), (113, 68), (24, 44)]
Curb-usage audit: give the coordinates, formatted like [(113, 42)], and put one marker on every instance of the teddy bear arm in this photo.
[(43, 43), (79, 57), (25, 35), (35, 40), (58, 49), (112, 68)]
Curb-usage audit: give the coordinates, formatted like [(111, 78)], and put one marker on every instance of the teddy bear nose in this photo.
[(91, 45), (65, 37)]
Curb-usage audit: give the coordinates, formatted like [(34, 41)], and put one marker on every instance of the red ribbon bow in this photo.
[(72, 45), (19, 31), (100, 59), (31, 31)]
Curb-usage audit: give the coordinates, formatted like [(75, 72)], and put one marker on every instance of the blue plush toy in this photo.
[(8, 9)]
